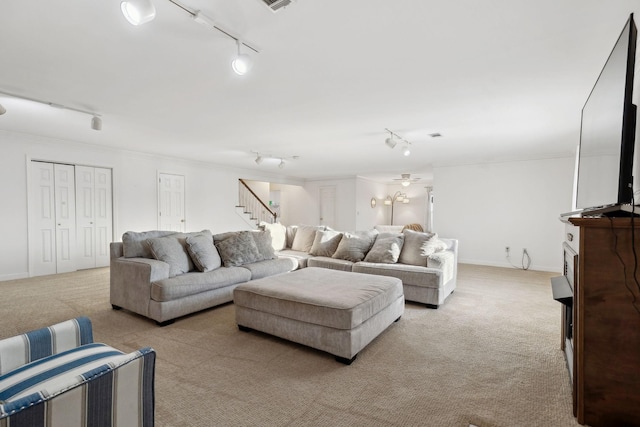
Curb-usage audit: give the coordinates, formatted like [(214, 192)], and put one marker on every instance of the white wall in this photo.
[(516, 204), (211, 191)]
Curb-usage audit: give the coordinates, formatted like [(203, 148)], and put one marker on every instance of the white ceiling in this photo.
[(501, 80)]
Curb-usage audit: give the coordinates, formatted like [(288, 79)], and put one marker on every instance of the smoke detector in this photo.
[(276, 5)]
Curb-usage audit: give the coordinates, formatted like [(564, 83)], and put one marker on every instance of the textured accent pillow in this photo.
[(303, 240), (172, 250), (134, 244), (325, 243), (203, 253), (354, 246), (412, 249), (239, 249), (433, 245), (386, 249), (263, 241), (278, 235)]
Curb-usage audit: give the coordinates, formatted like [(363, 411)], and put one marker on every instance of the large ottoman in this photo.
[(334, 311)]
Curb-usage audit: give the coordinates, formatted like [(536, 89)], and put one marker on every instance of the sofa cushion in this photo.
[(237, 249), (303, 240), (432, 246), (270, 267), (325, 243), (386, 249), (278, 234), (300, 257), (203, 253), (330, 263), (409, 274), (354, 246), (134, 243), (194, 283), (172, 249), (412, 249)]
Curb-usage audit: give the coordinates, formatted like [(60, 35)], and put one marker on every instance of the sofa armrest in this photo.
[(130, 282), (22, 349), (114, 390)]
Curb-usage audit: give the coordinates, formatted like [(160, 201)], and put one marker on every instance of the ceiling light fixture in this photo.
[(258, 159), (281, 165), (391, 142), (242, 63), (282, 160), (138, 12), (96, 120)]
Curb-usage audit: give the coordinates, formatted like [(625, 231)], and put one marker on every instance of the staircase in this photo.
[(251, 209)]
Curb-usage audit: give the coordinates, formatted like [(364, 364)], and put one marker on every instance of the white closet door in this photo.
[(328, 206), (42, 242), (103, 216), (65, 211), (94, 217), (171, 202)]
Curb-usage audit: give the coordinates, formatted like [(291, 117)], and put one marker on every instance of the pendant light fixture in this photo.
[(138, 12), (242, 63)]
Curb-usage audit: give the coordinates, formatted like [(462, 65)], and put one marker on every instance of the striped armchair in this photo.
[(57, 376)]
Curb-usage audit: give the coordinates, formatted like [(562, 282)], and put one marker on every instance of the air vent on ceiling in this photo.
[(276, 5)]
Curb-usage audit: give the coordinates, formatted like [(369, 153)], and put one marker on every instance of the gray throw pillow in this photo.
[(325, 243), (386, 249), (134, 244), (262, 239), (412, 249), (354, 246), (239, 249), (172, 250), (303, 240), (202, 251)]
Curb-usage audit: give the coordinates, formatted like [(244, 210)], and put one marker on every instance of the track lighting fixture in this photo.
[(281, 165), (138, 12), (241, 63), (282, 160), (258, 159), (391, 142), (96, 120)]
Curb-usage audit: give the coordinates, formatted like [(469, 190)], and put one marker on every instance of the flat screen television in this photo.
[(607, 132)]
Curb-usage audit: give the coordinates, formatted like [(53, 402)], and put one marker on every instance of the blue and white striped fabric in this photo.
[(22, 349), (57, 377)]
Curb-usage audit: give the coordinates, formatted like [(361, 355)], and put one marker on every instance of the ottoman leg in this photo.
[(398, 319), (244, 328), (345, 360), (433, 306)]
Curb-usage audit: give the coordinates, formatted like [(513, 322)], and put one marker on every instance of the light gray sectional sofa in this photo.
[(426, 264), (164, 275)]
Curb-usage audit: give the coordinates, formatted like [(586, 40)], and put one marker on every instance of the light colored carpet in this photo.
[(490, 356)]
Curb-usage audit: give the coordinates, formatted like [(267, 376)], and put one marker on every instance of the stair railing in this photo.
[(252, 205)]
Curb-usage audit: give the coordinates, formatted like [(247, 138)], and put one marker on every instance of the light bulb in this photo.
[(241, 64), (138, 12)]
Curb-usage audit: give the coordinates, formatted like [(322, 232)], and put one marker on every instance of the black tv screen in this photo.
[(607, 132)]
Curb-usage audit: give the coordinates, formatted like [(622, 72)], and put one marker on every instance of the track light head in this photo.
[(391, 143), (406, 151), (2, 110), (259, 159), (241, 64), (138, 12), (96, 123), (281, 165)]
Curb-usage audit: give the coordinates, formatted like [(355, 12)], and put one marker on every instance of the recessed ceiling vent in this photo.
[(276, 5)]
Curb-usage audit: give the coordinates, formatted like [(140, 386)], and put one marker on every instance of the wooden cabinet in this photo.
[(606, 321)]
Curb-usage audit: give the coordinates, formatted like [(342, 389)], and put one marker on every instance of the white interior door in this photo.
[(171, 202), (328, 206), (93, 216), (65, 213), (42, 242)]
